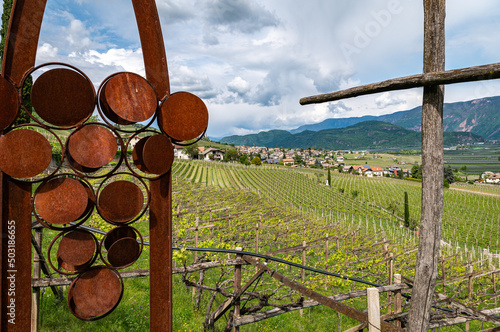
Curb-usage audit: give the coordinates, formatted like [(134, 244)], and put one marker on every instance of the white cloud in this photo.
[(77, 35), (386, 99), (46, 52), (239, 85), (129, 60), (251, 61)]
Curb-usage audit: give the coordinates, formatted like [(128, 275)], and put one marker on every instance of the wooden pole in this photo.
[(35, 298), (237, 289), (196, 224), (326, 252), (303, 273), (391, 275), (257, 238), (469, 74), (373, 310), (443, 275), (470, 283), (432, 170), (398, 303)]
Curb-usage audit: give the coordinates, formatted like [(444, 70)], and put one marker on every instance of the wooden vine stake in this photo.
[(373, 310)]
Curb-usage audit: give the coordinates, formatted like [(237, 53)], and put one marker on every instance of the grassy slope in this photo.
[(132, 314)]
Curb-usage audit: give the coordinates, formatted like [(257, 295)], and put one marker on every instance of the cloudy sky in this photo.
[(252, 60)]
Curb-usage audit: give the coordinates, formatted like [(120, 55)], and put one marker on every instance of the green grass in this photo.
[(291, 206)]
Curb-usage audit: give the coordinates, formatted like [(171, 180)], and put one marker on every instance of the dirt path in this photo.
[(476, 192)]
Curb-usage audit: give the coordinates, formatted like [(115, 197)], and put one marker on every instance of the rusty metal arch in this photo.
[(24, 31), (19, 58)]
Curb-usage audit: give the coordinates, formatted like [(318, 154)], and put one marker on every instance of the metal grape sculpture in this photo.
[(94, 176)]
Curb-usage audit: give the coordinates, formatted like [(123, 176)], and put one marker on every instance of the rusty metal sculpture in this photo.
[(63, 99)]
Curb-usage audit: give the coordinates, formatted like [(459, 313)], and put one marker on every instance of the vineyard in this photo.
[(348, 240), (469, 219), (478, 160), (336, 241)]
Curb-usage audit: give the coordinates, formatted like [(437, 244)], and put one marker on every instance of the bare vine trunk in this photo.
[(432, 170)]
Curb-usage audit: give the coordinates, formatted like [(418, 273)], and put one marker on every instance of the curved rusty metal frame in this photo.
[(71, 287), (131, 165), (19, 58), (147, 199), (83, 218), (84, 267), (54, 172), (101, 245), (89, 174), (59, 64), (103, 115)]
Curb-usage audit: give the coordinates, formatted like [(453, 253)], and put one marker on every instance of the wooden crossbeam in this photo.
[(471, 311), (462, 75), (46, 282), (221, 310), (335, 305), (248, 319)]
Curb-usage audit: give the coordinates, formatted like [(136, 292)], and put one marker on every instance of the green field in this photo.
[(351, 229), (478, 159), (469, 219)]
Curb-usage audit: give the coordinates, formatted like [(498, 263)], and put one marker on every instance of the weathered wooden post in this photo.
[(390, 265), (327, 251), (237, 289), (432, 169), (303, 272), (196, 225), (373, 310), (35, 301), (397, 298), (470, 283)]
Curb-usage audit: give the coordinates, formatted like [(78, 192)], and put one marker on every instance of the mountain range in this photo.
[(471, 121), (371, 135)]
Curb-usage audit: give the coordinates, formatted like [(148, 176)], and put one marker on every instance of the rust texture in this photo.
[(120, 201), (129, 97), (95, 293), (77, 248), (63, 97), (123, 252), (117, 233), (9, 103), (22, 38), (16, 274), (122, 246), (160, 254), (183, 116), (92, 146), (24, 153), (137, 154), (61, 200), (154, 154), (153, 48)]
